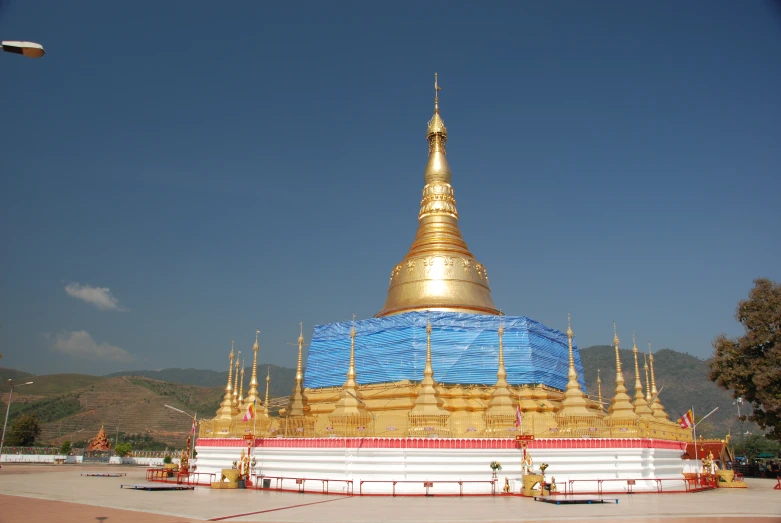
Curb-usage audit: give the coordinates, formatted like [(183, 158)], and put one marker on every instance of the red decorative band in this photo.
[(448, 443)]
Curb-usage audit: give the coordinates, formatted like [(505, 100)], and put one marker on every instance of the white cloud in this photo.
[(100, 297), (81, 345)]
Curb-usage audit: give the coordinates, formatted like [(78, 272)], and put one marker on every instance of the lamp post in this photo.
[(28, 49), (8, 410), (739, 402)]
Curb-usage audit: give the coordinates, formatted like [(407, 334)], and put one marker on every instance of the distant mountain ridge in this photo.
[(69, 402)]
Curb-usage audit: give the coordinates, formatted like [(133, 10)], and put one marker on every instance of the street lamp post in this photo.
[(28, 49), (8, 410), (739, 402)]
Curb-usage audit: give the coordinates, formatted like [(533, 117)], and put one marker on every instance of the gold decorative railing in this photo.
[(456, 425)]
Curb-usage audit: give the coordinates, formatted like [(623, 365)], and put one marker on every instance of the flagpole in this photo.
[(195, 426), (696, 456)]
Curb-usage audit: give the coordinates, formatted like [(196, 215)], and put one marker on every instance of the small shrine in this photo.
[(100, 441)]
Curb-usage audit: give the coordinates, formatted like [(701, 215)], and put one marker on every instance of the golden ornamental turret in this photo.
[(252, 394), (574, 403), (439, 272), (241, 387), (656, 405), (266, 409), (501, 403), (225, 412), (235, 400), (648, 396), (297, 405), (620, 408), (641, 405), (599, 391), (349, 403), (428, 402)]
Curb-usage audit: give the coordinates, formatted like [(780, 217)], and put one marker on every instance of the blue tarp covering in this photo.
[(464, 349)]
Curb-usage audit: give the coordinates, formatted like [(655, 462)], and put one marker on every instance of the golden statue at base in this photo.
[(506, 488)]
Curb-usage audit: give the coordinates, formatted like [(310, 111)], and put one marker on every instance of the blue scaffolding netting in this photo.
[(464, 349)]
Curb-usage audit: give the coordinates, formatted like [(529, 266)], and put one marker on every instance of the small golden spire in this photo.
[(656, 405), (252, 394), (268, 380), (647, 381), (574, 403), (641, 405), (236, 383), (620, 407), (349, 403), (241, 385), (428, 401), (298, 400), (501, 403), (599, 391), (225, 412)]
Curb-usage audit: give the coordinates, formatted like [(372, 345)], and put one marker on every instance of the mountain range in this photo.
[(74, 406)]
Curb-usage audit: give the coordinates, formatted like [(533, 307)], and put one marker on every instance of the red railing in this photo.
[(301, 483), (427, 485), (689, 485), (161, 475)]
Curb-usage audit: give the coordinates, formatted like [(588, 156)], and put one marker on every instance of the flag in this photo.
[(687, 420), (250, 413), (518, 416), (192, 430)]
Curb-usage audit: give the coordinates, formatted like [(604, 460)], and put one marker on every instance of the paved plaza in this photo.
[(42, 493)]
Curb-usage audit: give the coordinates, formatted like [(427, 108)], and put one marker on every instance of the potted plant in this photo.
[(495, 467), (169, 466)]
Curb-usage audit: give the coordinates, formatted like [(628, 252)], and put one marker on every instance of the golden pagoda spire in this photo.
[(620, 408), (648, 396), (599, 391), (241, 386), (428, 401), (439, 272), (656, 405), (236, 383), (298, 400), (252, 394), (349, 403), (501, 403), (266, 410), (225, 412), (641, 405), (574, 403)]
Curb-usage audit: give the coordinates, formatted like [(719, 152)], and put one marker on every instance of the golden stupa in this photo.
[(440, 359)]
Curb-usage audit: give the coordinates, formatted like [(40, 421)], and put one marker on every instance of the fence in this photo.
[(456, 425)]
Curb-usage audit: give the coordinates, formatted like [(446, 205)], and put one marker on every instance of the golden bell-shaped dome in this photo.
[(438, 272)]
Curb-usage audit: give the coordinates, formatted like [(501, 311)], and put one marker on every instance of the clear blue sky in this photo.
[(222, 166)]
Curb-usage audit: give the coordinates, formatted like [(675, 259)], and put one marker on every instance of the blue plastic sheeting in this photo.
[(464, 349)]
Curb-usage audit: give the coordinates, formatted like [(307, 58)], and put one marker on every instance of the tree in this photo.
[(755, 445), (66, 448), (123, 449), (24, 431), (750, 366)]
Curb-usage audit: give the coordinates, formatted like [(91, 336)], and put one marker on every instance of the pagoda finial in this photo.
[(241, 385), (437, 88), (647, 381), (574, 403), (236, 383)]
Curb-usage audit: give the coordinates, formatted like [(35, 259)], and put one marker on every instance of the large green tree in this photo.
[(750, 366), (24, 431)]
